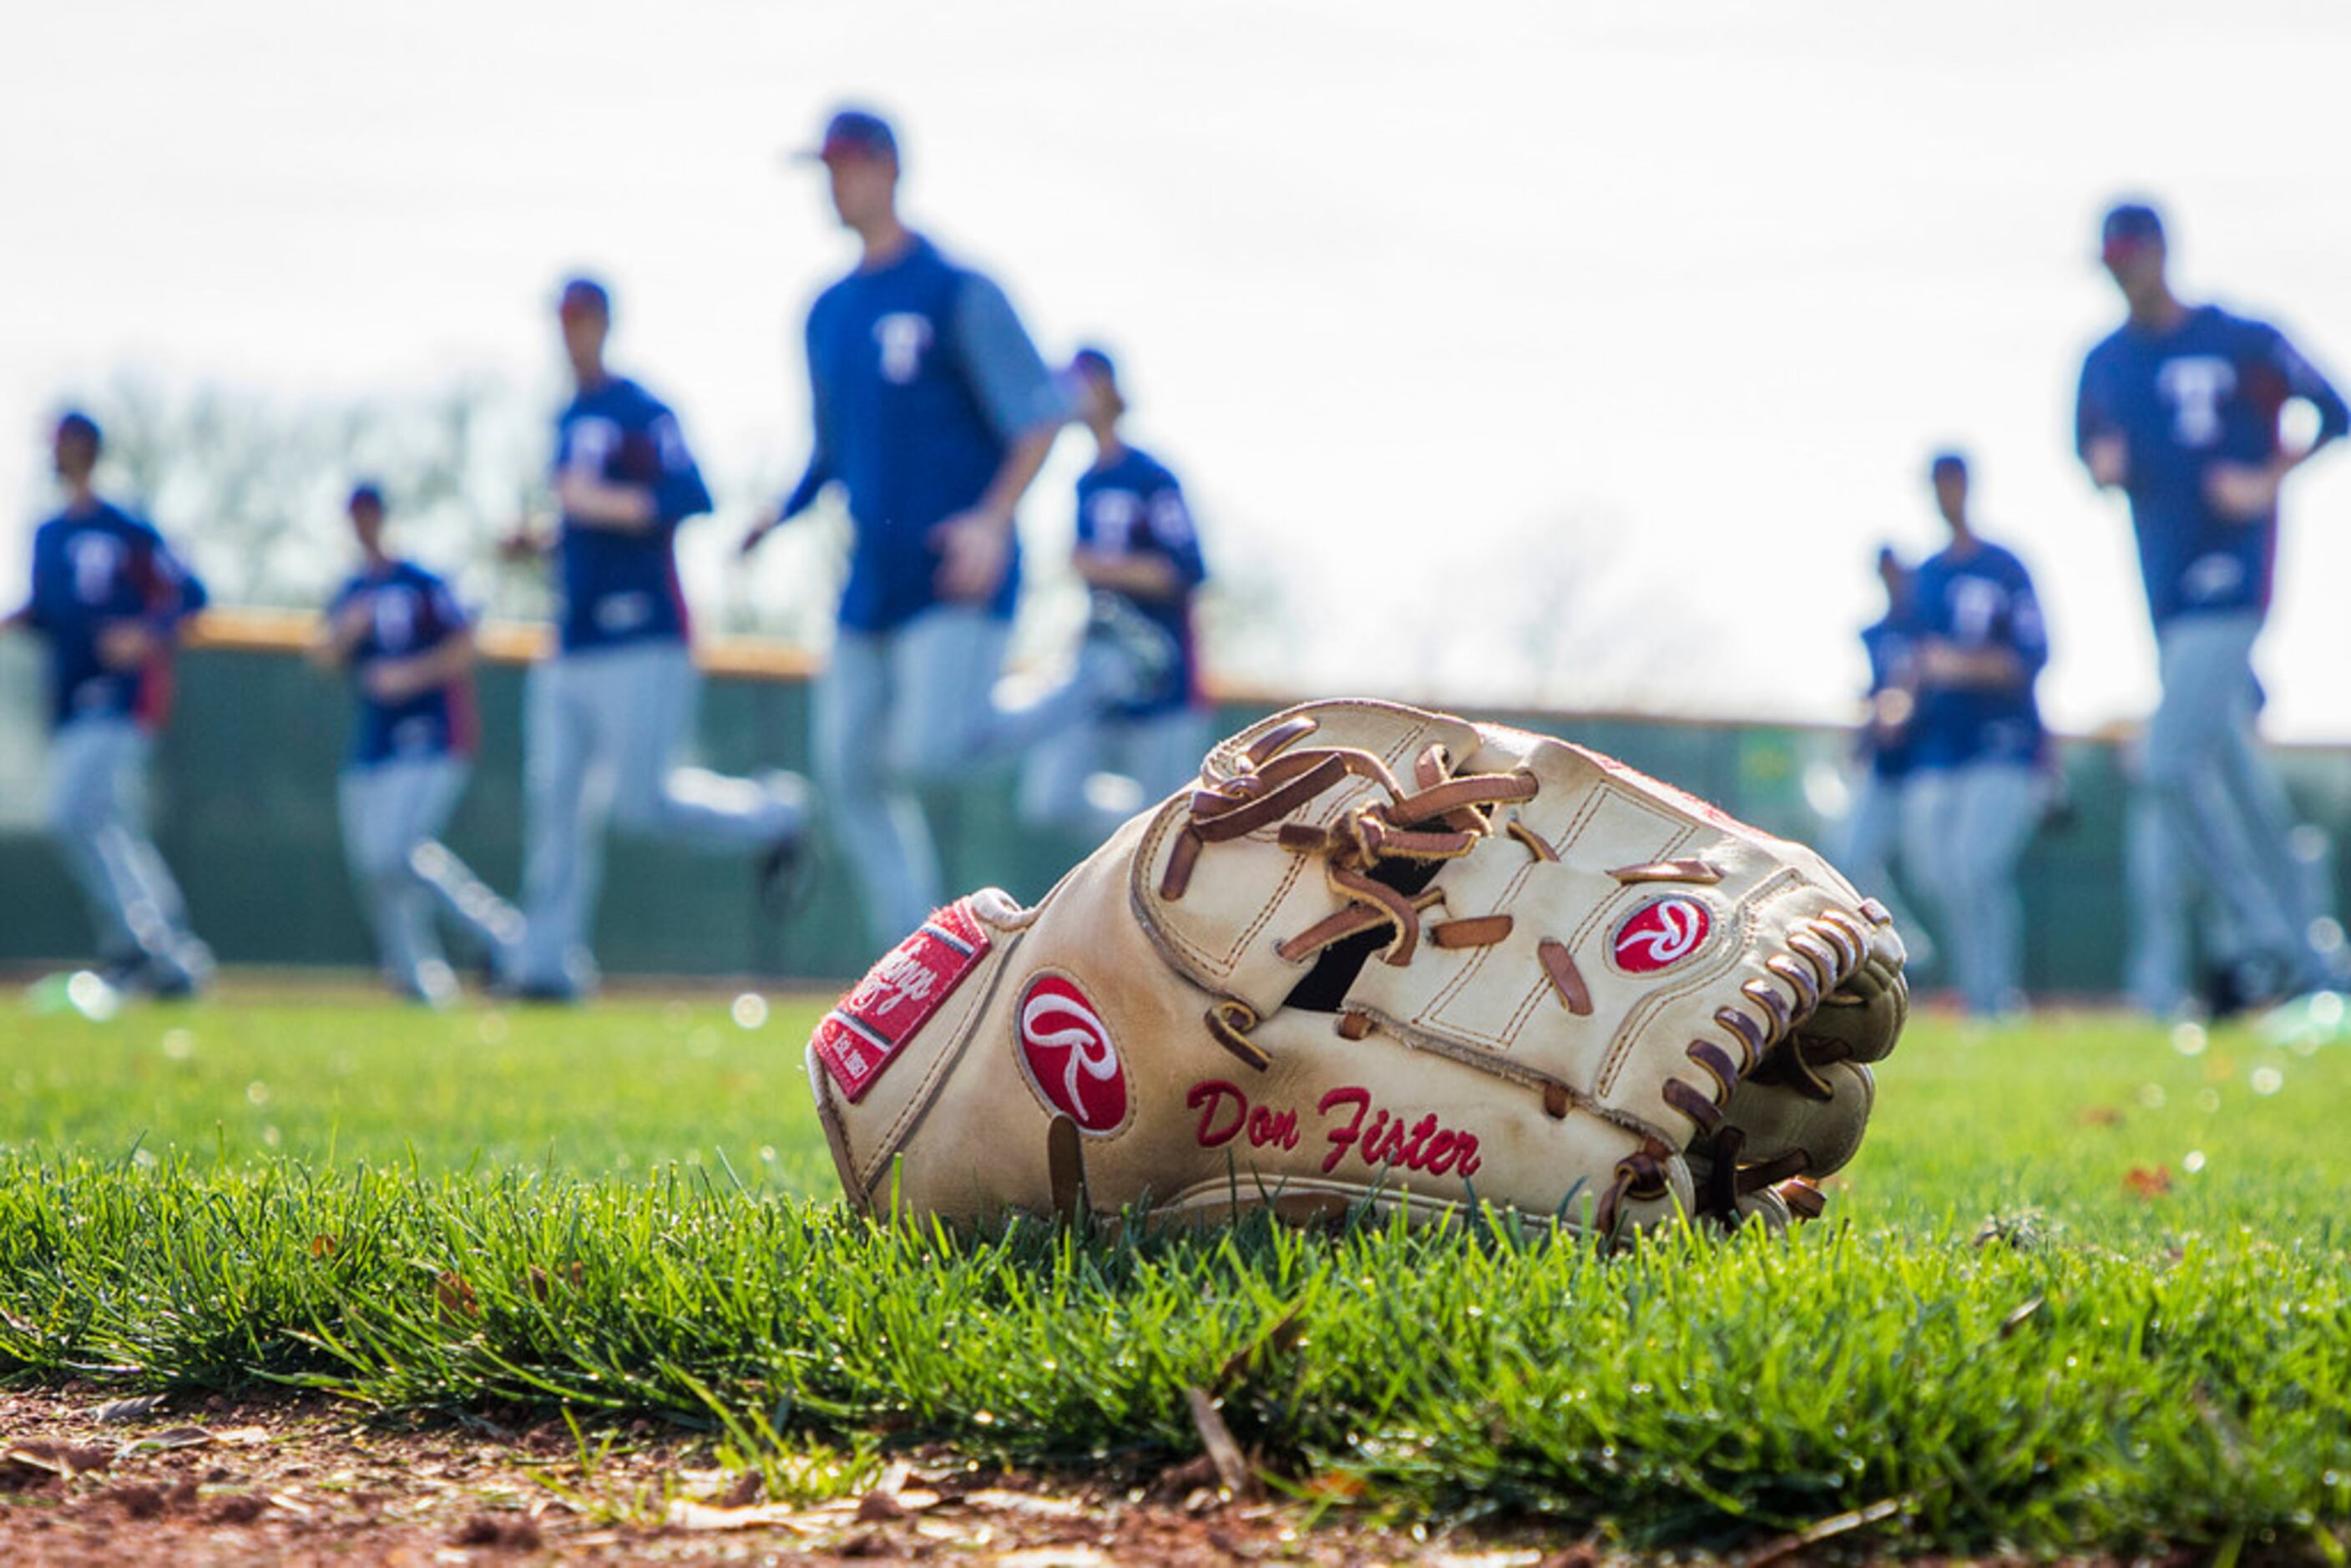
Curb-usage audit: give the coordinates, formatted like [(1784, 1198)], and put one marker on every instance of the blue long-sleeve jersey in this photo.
[(1132, 506), (409, 612), (91, 569), (921, 379), (2210, 390), (622, 586), (1981, 599)]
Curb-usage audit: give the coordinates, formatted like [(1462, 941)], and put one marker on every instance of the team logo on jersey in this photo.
[(1659, 934), (903, 335), (95, 556), (2211, 577), (865, 1031), (1065, 1048), (2195, 385)]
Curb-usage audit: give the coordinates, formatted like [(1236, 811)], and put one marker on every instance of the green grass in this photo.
[(629, 1209)]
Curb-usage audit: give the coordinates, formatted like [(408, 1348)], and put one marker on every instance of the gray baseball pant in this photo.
[(1964, 830), (910, 707), (601, 730), (393, 813), (97, 765), (2217, 800), (1098, 772), (1865, 842)]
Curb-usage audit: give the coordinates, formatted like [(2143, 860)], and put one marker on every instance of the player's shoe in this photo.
[(542, 993), (181, 971), (433, 986), (127, 973), (785, 873), (185, 972)]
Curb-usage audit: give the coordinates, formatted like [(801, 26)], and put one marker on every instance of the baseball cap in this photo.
[(1091, 361), (366, 493), (584, 295), (2127, 227), (1948, 462), (75, 422), (854, 133)]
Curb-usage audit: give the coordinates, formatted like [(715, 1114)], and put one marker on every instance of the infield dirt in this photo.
[(205, 1481)]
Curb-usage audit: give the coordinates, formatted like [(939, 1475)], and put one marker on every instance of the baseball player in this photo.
[(934, 412), (111, 597), (409, 648), (2179, 410), (1975, 794), (1137, 553), (1872, 830), (605, 717)]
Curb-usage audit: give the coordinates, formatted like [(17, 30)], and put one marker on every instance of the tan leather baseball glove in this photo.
[(1383, 956)]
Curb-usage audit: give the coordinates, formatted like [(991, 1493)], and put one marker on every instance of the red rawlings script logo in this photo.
[(1388, 1138), (866, 1031), (1066, 1048), (1659, 934)]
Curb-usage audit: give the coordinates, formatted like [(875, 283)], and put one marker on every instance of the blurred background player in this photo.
[(1140, 559), (605, 717), (110, 596), (2179, 408), (1974, 796), (409, 649), (934, 410), (1871, 833)]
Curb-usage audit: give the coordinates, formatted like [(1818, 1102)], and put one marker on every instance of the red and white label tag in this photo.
[(867, 1028), (1660, 933), (1066, 1050)]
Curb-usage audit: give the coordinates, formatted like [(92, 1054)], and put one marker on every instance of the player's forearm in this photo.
[(2107, 457), (445, 661), (397, 680), (1139, 575), (1021, 466), (597, 503), (1952, 667), (331, 648)]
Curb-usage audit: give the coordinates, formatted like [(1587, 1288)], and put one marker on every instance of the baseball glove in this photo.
[(1378, 956)]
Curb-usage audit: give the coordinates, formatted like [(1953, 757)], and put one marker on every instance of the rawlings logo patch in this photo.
[(1066, 1050), (869, 1026), (1659, 934)]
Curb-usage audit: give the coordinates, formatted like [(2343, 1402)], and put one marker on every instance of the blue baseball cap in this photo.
[(1094, 361), (75, 422), (1948, 462), (2128, 227), (584, 295), (854, 133), (366, 493)]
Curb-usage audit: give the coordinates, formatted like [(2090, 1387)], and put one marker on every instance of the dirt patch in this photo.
[(206, 1481)]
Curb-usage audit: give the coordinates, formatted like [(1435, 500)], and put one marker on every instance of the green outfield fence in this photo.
[(243, 802)]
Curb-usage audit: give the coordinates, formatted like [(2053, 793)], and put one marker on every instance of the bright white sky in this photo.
[(1689, 291)]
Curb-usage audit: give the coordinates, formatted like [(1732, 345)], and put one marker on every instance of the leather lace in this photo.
[(1444, 815)]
